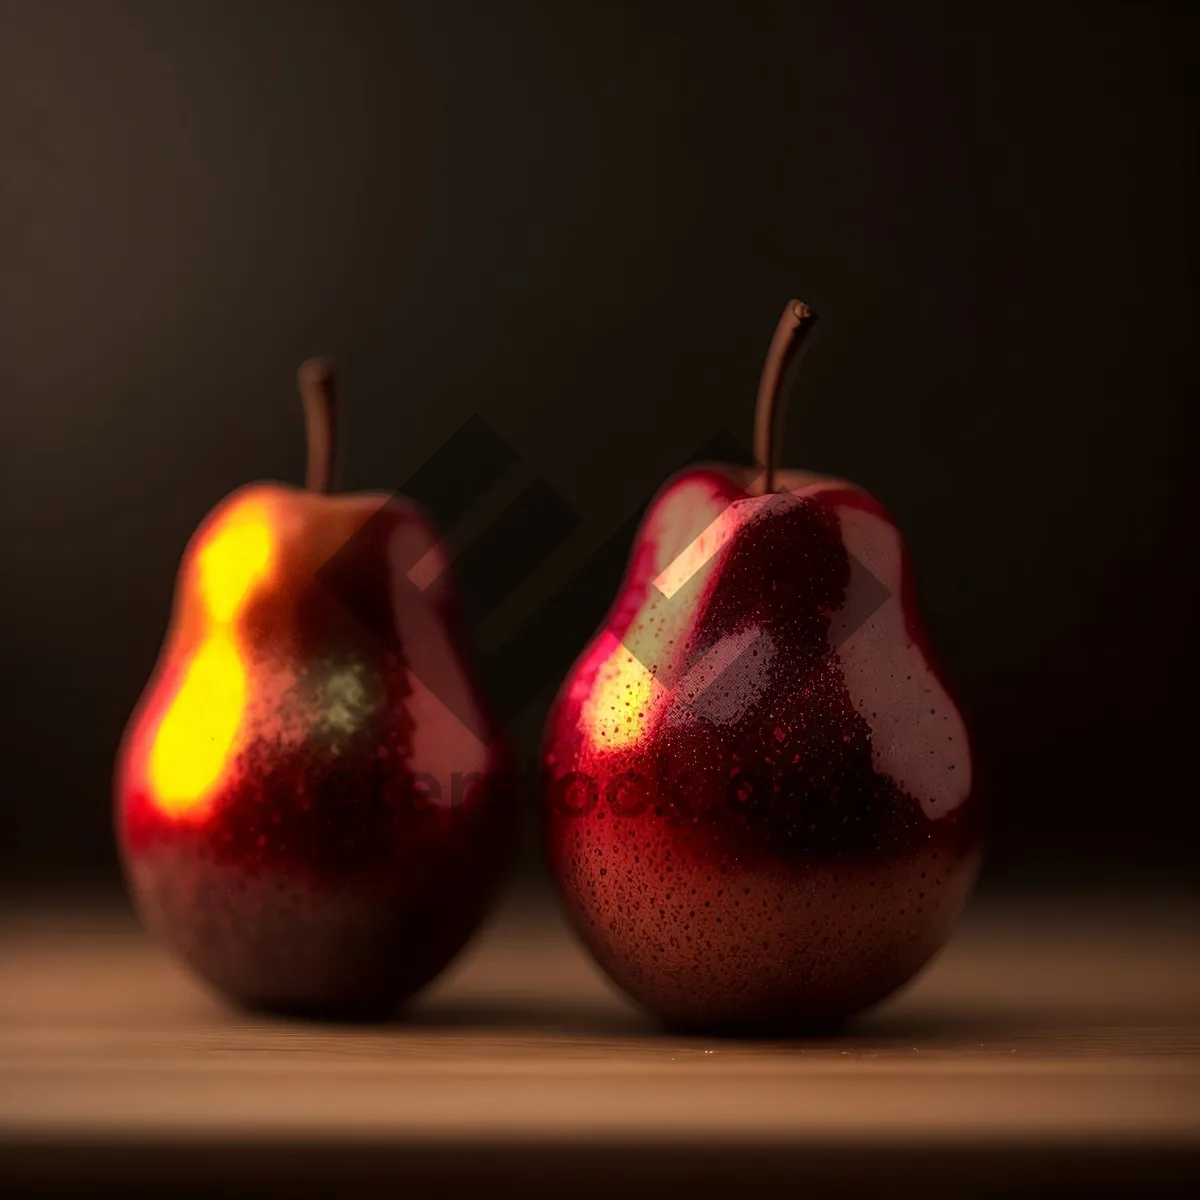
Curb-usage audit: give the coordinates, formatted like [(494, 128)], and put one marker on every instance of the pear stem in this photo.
[(318, 394), (790, 334)]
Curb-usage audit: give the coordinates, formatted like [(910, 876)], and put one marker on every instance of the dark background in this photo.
[(581, 221)]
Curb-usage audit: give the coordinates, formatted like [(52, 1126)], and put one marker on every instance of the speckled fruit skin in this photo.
[(323, 873), (757, 790)]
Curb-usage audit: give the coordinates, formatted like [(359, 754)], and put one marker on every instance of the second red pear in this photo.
[(758, 789)]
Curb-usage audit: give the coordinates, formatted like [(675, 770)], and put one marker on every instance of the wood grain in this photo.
[(1043, 1035)]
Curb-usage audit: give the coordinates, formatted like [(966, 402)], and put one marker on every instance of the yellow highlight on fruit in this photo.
[(627, 693), (236, 556), (194, 740), (615, 714)]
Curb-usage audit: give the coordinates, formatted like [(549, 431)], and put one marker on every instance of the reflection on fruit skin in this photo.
[(195, 736), (797, 826)]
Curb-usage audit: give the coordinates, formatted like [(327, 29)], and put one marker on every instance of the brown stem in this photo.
[(793, 328), (318, 393)]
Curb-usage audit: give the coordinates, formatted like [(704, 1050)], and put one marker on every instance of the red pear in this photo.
[(309, 796), (757, 786)]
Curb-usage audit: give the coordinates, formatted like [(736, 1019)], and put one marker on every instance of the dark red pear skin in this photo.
[(302, 817), (757, 788)]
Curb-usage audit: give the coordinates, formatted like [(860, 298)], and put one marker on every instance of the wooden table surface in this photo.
[(1051, 1046)]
